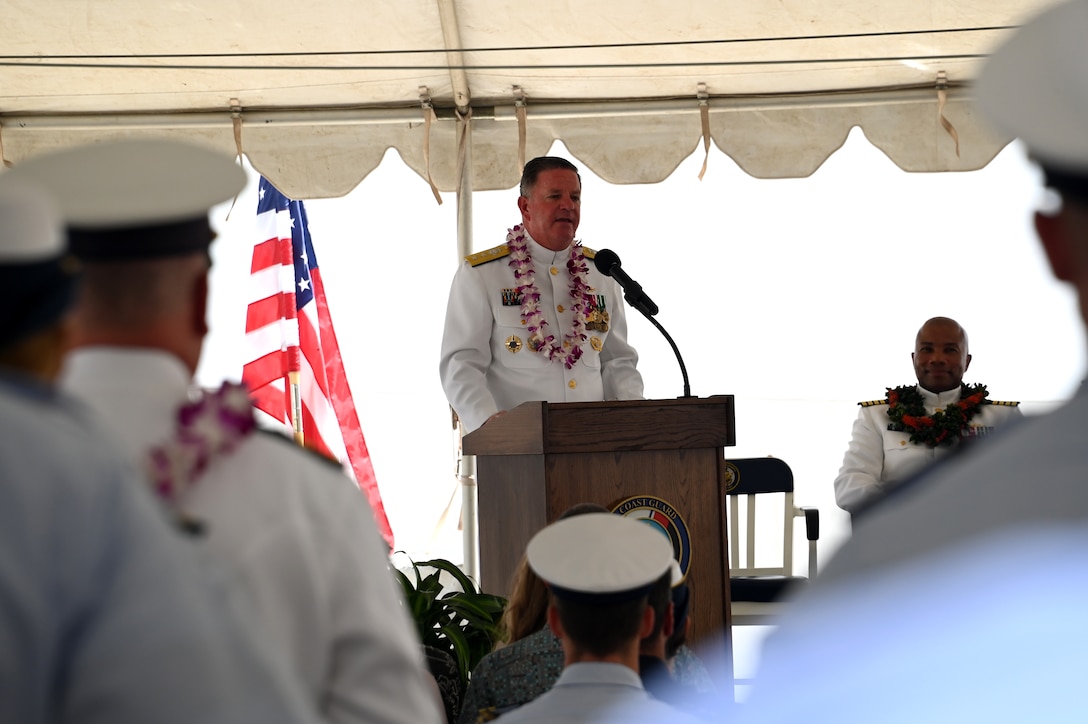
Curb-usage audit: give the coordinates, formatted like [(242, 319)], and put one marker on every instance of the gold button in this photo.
[(902, 442), (524, 321), (572, 384), (554, 271), (566, 344), (560, 308)]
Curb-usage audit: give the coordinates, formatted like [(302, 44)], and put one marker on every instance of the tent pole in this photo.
[(466, 473)]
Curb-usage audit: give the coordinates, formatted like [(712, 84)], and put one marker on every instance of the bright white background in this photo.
[(800, 297)]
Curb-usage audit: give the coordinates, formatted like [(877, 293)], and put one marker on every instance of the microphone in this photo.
[(608, 263)]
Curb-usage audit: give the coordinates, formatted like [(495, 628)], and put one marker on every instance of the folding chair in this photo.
[(757, 590)]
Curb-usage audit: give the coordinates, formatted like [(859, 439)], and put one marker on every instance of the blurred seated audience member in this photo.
[(601, 571), (656, 658), (531, 659), (687, 668), (530, 662)]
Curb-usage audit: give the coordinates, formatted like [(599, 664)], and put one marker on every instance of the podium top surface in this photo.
[(535, 428)]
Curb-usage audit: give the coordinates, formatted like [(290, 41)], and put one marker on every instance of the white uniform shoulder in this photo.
[(483, 257)]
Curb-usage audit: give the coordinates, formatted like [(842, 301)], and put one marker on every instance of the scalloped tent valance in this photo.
[(315, 93)]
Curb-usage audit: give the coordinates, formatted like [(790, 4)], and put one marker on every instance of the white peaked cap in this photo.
[(37, 276), (599, 556), (1035, 86), (31, 229), (133, 182)]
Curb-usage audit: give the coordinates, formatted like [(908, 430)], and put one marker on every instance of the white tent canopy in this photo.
[(315, 93)]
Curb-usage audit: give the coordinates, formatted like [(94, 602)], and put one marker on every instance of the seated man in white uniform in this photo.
[(533, 319), (600, 570), (915, 425), (292, 530), (106, 614)]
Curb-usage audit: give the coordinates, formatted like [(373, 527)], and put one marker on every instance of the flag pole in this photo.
[(296, 406)]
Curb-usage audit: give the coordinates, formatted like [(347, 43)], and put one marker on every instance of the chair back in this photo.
[(747, 480)]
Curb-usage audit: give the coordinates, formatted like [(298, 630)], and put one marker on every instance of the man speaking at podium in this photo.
[(533, 319)]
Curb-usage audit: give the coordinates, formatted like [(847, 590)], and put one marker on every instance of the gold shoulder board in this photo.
[(588, 253), (1005, 403), (482, 257), (871, 403)]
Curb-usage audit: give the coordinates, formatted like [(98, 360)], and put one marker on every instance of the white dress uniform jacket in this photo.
[(596, 692), (106, 615), (294, 531), (1032, 475), (486, 363), (878, 458)]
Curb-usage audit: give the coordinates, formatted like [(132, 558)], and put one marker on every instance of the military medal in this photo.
[(511, 298), (595, 343), (596, 314), (513, 343)]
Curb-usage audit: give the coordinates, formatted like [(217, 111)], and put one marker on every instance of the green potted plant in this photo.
[(463, 624)]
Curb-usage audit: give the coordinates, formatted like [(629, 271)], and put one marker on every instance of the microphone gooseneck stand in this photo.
[(608, 263), (675, 349)]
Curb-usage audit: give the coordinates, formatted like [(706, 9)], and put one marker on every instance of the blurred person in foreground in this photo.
[(657, 664), (292, 530), (915, 425), (964, 600), (106, 614), (601, 570)]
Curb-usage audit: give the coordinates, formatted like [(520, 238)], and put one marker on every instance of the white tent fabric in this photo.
[(316, 92)]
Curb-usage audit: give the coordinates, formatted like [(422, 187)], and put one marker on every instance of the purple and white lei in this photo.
[(206, 428), (525, 275)]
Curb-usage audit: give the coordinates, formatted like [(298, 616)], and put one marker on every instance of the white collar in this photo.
[(939, 399), (599, 672), (545, 255)]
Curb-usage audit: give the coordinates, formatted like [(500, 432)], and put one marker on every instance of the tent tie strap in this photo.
[(520, 109), (3, 156), (236, 121), (428, 117), (942, 98), (704, 113), (464, 123)]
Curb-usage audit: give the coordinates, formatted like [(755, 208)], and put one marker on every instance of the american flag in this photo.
[(290, 335)]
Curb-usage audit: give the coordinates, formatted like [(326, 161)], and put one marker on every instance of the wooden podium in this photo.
[(541, 458)]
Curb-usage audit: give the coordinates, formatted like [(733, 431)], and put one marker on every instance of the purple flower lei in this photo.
[(206, 428), (525, 274)]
